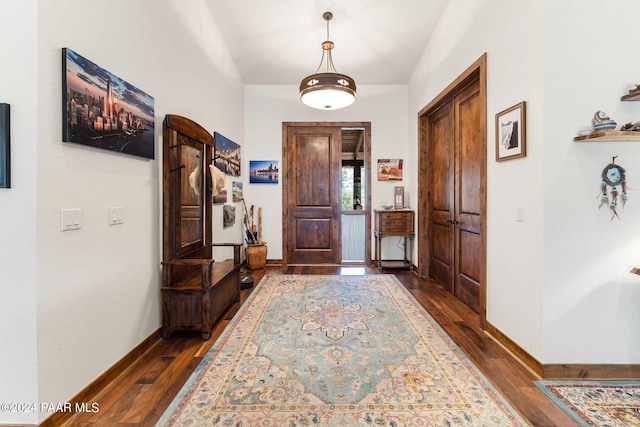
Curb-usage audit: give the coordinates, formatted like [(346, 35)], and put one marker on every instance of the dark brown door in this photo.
[(441, 241), (456, 165), (313, 159), (469, 160)]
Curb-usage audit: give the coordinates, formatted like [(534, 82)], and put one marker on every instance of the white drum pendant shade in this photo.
[(329, 90)]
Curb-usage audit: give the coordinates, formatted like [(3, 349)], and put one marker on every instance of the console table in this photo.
[(394, 222)]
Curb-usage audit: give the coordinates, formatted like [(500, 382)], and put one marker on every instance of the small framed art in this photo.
[(263, 171), (389, 169), (511, 133)]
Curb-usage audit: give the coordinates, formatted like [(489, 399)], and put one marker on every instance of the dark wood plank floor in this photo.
[(140, 395)]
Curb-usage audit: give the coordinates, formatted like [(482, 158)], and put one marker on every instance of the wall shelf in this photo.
[(609, 136), (634, 96)]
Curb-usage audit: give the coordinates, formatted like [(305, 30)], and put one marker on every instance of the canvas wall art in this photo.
[(227, 155), (389, 169), (102, 110), (236, 191), (228, 215), (263, 172)]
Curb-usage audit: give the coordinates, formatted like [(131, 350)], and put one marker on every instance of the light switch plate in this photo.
[(70, 219), (115, 216)]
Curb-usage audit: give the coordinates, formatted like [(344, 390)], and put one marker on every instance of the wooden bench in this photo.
[(196, 292)]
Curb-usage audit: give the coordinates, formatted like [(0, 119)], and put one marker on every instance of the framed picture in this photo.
[(389, 169), (263, 171), (511, 133), (228, 215), (236, 191), (5, 146), (227, 155), (101, 110)]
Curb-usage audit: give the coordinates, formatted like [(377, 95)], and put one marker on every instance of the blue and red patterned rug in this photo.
[(336, 351), (596, 403)]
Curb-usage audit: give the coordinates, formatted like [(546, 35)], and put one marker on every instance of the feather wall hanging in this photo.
[(613, 176)]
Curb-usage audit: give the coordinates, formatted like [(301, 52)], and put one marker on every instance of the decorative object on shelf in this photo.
[(511, 141), (219, 184), (328, 90), (631, 127), (5, 145), (389, 169), (632, 95), (263, 172), (101, 110), (613, 176), (602, 122), (398, 197), (227, 157)]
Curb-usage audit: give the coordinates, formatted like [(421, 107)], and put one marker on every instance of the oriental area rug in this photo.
[(596, 403), (336, 351)]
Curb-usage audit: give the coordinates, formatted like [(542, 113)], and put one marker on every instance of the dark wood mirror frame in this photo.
[(196, 291)]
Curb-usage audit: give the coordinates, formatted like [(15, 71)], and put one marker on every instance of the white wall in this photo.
[(266, 107), (99, 287), (558, 284), (18, 363), (591, 301), (511, 35)]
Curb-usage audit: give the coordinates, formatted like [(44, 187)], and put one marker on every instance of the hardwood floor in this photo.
[(140, 395)]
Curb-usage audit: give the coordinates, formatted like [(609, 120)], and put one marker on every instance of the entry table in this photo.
[(394, 222)]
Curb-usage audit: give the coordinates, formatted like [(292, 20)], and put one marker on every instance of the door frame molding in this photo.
[(288, 178), (476, 71)]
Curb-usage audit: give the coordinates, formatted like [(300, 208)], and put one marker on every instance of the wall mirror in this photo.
[(189, 198), (187, 151)]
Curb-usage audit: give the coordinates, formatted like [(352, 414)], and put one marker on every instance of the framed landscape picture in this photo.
[(511, 133), (227, 155), (263, 172), (101, 110)]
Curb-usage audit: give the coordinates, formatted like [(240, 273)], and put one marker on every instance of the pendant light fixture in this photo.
[(328, 90)]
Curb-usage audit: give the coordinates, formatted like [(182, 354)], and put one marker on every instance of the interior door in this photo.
[(456, 167), (441, 181), (468, 207), (313, 167)]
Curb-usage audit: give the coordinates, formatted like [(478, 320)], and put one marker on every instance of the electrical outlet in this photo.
[(520, 213)]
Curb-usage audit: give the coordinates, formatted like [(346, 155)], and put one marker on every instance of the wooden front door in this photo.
[(312, 157), (453, 195)]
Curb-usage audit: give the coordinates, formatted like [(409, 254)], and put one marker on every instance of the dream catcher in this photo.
[(613, 176)]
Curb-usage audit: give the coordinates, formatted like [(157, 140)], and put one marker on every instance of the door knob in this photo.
[(451, 221)]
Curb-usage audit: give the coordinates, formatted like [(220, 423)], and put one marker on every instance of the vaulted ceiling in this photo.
[(279, 41)]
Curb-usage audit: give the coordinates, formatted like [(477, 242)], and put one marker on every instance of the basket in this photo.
[(256, 256)]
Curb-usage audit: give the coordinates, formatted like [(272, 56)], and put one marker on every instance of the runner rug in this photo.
[(596, 403), (336, 351)]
